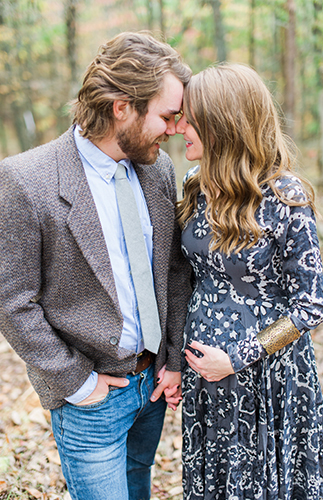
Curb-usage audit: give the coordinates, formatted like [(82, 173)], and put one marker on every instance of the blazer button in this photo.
[(113, 340)]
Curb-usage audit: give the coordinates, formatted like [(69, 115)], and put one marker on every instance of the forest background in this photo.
[(45, 47)]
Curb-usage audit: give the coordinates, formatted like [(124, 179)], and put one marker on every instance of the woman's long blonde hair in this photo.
[(234, 115)]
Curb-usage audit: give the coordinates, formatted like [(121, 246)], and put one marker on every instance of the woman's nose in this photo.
[(180, 126)]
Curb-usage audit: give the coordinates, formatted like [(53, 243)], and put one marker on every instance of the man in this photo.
[(69, 300)]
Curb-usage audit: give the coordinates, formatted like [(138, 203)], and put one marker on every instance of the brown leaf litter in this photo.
[(29, 461)]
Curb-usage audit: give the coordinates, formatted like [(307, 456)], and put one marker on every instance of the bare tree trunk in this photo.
[(289, 70), (252, 33), (161, 17), (1, 12), (219, 37), (150, 18), (320, 152), (70, 21), (318, 50), (303, 95), (3, 139)]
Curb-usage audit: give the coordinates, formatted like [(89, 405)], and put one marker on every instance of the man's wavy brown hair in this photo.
[(244, 148), (130, 67)]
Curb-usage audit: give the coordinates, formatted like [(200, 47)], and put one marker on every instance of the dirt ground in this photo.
[(29, 461)]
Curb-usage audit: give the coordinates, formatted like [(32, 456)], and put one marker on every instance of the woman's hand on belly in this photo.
[(213, 366)]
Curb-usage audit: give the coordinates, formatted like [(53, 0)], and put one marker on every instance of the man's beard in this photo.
[(138, 147)]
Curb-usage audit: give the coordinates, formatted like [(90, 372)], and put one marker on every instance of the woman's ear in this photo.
[(121, 109)]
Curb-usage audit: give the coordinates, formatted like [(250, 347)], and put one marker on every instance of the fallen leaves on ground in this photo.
[(29, 461)]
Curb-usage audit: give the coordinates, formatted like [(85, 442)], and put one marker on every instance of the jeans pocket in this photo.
[(93, 405)]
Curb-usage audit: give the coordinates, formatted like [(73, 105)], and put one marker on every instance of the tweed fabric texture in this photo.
[(59, 308)]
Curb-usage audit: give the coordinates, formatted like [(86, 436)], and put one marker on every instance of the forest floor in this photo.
[(29, 462)]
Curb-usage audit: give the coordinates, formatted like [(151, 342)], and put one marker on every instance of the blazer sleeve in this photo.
[(179, 288)]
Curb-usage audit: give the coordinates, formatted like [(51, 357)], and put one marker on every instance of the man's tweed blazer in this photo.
[(58, 302)]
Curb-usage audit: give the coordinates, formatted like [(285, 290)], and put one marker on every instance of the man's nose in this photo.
[(171, 127)]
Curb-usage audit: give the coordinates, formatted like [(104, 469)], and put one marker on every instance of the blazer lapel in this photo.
[(83, 219)]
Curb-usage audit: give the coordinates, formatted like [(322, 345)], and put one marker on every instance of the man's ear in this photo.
[(121, 109)]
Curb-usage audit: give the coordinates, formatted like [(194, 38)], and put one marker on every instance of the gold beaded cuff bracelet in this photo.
[(277, 335)]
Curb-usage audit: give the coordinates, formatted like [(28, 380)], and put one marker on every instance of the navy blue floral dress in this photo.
[(257, 434)]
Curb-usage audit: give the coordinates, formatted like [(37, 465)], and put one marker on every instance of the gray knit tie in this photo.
[(139, 263)]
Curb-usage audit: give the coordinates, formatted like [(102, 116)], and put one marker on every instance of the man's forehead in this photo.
[(170, 99)]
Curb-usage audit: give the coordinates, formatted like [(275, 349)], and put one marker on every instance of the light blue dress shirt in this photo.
[(99, 170)]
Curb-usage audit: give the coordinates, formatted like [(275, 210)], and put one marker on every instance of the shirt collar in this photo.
[(101, 162)]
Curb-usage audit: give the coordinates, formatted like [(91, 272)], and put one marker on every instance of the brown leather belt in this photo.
[(144, 359)]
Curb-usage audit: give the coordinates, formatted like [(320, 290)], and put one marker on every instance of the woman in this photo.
[(252, 402)]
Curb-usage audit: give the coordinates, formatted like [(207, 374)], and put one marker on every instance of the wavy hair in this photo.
[(130, 67), (244, 148)]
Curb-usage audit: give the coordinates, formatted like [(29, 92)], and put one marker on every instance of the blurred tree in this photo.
[(289, 66), (252, 42), (161, 17), (70, 84), (318, 55), (150, 18), (219, 32), (70, 21), (1, 11)]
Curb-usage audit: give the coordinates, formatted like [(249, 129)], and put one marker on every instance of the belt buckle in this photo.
[(140, 358), (134, 372)]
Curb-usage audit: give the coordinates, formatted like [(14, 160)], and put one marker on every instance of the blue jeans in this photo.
[(107, 448)]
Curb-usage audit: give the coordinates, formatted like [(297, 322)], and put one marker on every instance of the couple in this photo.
[(71, 304)]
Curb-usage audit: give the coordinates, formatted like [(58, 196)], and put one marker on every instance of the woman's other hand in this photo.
[(213, 366)]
